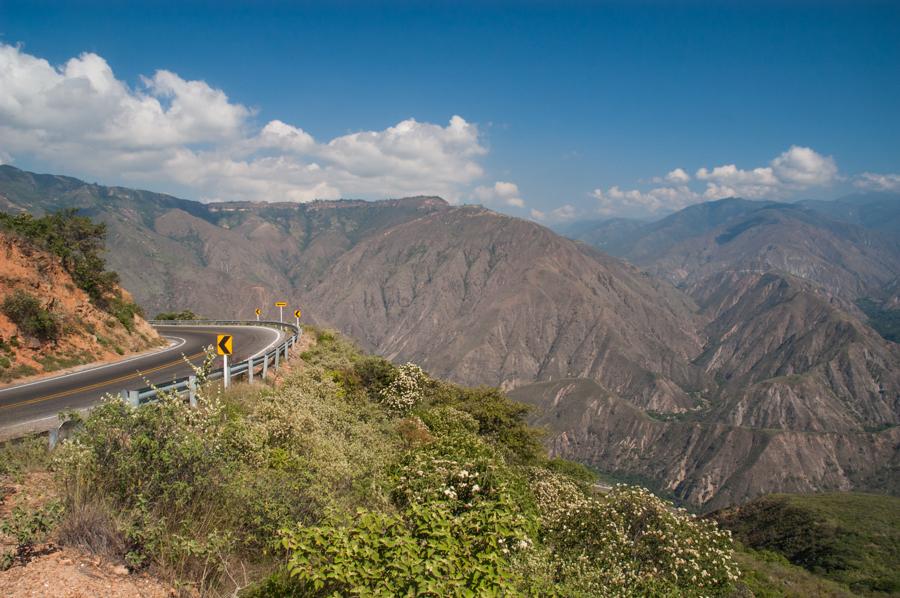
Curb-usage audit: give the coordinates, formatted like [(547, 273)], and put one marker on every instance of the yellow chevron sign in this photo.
[(258, 311), (224, 344), (297, 313)]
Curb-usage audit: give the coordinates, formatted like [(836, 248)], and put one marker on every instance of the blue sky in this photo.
[(567, 111)]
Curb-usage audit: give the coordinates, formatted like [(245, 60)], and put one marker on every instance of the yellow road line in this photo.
[(138, 374)]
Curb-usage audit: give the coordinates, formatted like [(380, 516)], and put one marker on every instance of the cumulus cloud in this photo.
[(677, 176), (795, 169), (872, 181), (500, 192), (81, 118), (633, 202), (802, 167)]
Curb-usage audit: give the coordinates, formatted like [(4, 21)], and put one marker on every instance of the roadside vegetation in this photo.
[(26, 312), (353, 476)]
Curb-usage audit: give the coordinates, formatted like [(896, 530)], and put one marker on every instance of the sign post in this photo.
[(258, 311), (224, 348), (297, 314), (280, 305)]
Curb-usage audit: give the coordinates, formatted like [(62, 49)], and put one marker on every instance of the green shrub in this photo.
[(503, 421), (30, 317), (573, 470), (458, 524), (27, 528), (24, 455), (124, 311)]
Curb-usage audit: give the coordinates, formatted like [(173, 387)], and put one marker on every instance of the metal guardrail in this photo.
[(249, 368)]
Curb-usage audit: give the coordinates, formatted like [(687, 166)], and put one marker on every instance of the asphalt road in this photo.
[(43, 399)]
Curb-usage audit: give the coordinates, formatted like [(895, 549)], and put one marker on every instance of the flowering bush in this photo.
[(628, 543), (406, 389), (430, 489)]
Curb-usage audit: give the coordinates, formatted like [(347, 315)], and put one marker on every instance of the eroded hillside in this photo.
[(48, 323)]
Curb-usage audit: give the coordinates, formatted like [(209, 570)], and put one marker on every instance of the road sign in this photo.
[(280, 303), (258, 311), (223, 344), (297, 313)]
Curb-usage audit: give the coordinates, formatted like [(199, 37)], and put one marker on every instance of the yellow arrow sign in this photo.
[(280, 303), (258, 311), (223, 344), (298, 313)]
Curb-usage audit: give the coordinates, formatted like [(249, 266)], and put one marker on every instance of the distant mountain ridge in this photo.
[(850, 247), (757, 359)]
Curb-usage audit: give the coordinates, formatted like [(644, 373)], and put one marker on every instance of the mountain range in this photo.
[(717, 354)]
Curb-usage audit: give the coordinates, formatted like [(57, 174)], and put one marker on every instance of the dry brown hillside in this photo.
[(81, 333)]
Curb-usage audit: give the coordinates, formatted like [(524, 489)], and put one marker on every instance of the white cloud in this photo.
[(794, 170), (633, 202), (501, 192), (537, 214), (803, 167), (678, 176), (80, 118), (872, 181)]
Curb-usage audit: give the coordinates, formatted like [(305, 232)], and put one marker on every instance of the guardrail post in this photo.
[(277, 355), (287, 345), (250, 370), (192, 390), (133, 398), (53, 438)]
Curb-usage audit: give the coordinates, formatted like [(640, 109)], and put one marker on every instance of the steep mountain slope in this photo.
[(789, 358), (802, 391), (47, 323), (485, 298), (704, 463)]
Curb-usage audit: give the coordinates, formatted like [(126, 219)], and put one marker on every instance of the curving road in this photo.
[(30, 403)]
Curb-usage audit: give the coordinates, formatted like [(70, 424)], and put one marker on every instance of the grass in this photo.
[(770, 575), (15, 372), (24, 455), (59, 362), (850, 538)]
